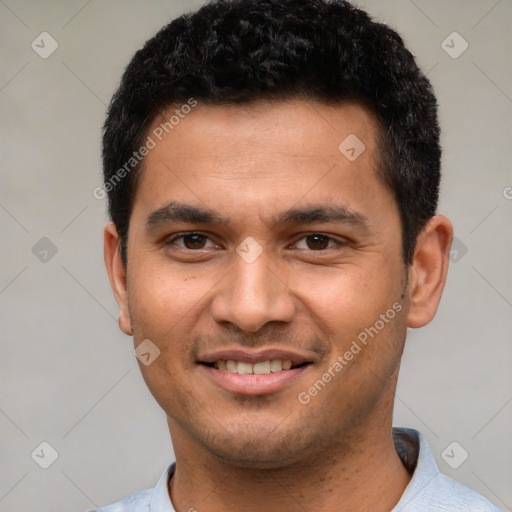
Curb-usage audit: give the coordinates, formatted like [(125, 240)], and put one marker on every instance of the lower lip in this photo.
[(253, 384)]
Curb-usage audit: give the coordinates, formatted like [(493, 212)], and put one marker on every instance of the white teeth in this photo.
[(244, 368), (276, 365), (261, 368), (232, 366)]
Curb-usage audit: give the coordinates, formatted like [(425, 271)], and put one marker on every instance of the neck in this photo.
[(362, 473)]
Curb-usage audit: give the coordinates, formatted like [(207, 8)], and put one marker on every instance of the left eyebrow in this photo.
[(322, 213)]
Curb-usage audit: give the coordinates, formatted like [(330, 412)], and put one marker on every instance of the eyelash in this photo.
[(339, 243)]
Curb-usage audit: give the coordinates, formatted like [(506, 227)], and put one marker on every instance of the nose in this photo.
[(252, 295)]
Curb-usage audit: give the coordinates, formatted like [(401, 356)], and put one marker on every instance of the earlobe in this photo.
[(428, 270), (117, 275)]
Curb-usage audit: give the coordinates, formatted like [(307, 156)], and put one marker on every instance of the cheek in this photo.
[(161, 295), (167, 385), (344, 299), (164, 308)]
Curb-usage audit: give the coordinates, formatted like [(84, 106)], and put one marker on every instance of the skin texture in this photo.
[(237, 451)]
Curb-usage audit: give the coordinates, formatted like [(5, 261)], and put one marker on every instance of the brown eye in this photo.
[(190, 241), (317, 241), (194, 241)]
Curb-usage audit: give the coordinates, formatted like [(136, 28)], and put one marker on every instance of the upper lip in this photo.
[(255, 356)]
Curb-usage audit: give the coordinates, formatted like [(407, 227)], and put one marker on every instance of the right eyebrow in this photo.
[(177, 212)]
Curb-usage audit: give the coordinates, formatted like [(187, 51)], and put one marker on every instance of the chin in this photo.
[(251, 458), (258, 447)]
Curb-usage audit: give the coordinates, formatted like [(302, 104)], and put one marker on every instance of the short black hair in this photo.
[(241, 51)]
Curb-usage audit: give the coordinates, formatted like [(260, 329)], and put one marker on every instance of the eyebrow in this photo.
[(322, 213), (180, 212)]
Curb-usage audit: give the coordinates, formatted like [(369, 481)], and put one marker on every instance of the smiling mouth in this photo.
[(259, 368)]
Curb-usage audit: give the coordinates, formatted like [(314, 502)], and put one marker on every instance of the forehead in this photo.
[(271, 153), (294, 126)]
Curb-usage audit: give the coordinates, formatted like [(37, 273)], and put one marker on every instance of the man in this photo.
[(272, 169)]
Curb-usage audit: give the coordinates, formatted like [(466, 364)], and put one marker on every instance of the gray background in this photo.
[(68, 375)]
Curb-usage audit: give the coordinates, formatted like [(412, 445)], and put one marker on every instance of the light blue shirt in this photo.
[(428, 491)]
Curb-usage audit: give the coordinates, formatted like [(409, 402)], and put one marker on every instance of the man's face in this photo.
[(300, 255)]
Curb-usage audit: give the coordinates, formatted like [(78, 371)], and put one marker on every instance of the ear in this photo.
[(428, 270), (117, 274)]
